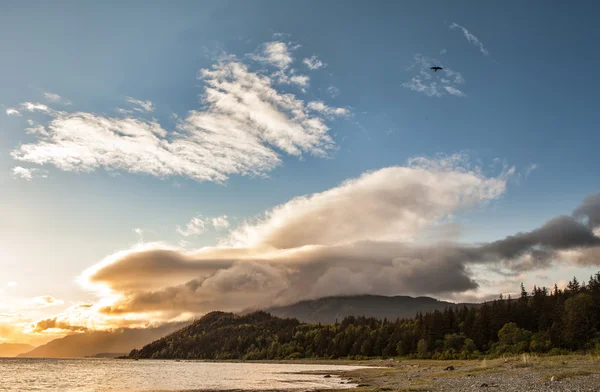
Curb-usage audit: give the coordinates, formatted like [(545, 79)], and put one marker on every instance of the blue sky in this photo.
[(526, 99)]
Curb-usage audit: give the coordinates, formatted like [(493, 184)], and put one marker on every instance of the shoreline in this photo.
[(510, 374)]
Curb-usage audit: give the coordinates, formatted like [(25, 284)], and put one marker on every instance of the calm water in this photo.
[(104, 375)]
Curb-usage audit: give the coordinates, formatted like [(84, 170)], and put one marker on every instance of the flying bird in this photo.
[(435, 69)]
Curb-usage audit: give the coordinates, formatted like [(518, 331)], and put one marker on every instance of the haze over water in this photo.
[(98, 375)]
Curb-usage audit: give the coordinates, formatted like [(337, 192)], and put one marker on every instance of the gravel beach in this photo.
[(515, 374)]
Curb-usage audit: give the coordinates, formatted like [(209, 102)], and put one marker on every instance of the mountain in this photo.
[(91, 343), (329, 309), (14, 349), (220, 335)]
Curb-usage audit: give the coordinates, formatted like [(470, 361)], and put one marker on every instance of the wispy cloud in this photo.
[(12, 112), (530, 169), (55, 98), (140, 233), (195, 227), (434, 84), (314, 63), (244, 125), (199, 225), (25, 173), (471, 38), (333, 91), (145, 106), (276, 53), (321, 107), (220, 222), (52, 97)]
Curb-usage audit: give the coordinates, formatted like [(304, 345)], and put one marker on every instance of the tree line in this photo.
[(551, 321)]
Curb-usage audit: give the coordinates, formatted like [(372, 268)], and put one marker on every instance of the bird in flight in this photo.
[(435, 69)]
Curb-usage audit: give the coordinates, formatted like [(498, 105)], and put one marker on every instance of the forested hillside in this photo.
[(542, 321)]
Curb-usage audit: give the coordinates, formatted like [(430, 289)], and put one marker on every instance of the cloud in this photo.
[(313, 63), (11, 284), (12, 112), (408, 198), (140, 233), (198, 225), (146, 106), (454, 91), (54, 323), (530, 169), (589, 210), (55, 98), (45, 301), (220, 222), (23, 173), (471, 38), (365, 232), (321, 107), (195, 227), (52, 97), (434, 84), (244, 126), (276, 53), (300, 80), (35, 107), (364, 236), (333, 91)]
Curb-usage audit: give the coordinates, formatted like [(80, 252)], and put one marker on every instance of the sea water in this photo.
[(113, 375)]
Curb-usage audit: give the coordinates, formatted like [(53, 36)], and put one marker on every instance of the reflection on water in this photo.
[(104, 375)]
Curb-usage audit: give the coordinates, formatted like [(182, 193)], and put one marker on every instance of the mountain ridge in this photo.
[(329, 309), (87, 344)]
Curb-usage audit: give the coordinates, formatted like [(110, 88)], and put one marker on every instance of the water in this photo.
[(110, 375)]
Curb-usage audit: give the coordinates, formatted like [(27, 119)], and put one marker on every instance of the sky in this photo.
[(162, 160)]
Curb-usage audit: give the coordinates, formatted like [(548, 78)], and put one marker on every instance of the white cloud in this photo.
[(454, 91), (434, 84), (11, 284), (140, 233), (300, 80), (276, 53), (24, 173), (471, 38), (407, 198), (313, 63), (199, 225), (12, 112), (196, 226), (52, 97), (530, 169), (243, 127), (220, 222), (144, 106), (321, 107), (35, 107)]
